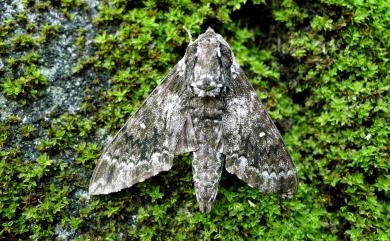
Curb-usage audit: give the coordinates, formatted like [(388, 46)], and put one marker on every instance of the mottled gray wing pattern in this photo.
[(148, 142), (253, 146)]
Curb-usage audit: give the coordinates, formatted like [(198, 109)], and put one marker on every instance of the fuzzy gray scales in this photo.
[(207, 107)]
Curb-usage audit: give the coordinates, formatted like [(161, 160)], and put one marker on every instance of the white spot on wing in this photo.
[(142, 125)]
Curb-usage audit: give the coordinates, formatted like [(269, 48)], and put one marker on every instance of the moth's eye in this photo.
[(226, 56)]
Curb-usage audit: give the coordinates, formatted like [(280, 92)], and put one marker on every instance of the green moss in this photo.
[(27, 131), (48, 32), (4, 133), (25, 86), (23, 42), (13, 119), (80, 41), (42, 6), (7, 26), (321, 69), (20, 77), (22, 18)]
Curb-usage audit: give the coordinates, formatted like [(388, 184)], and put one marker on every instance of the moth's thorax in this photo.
[(208, 78)]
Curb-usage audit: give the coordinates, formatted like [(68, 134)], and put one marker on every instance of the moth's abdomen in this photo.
[(207, 168), (207, 160)]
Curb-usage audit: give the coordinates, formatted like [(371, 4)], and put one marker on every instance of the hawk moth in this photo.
[(205, 106)]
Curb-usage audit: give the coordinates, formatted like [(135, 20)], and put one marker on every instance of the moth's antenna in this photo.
[(189, 33)]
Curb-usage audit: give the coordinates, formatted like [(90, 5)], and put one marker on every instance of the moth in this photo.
[(207, 107)]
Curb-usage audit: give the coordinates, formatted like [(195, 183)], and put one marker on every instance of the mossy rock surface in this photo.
[(73, 71)]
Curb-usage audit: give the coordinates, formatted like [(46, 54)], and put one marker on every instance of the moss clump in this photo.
[(24, 87), (23, 41), (321, 69)]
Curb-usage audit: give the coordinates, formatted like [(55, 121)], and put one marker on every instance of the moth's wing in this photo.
[(254, 149), (148, 142)]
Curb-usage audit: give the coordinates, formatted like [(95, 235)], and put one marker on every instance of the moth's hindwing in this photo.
[(254, 148), (148, 142)]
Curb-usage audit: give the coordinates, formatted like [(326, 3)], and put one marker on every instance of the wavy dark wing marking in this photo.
[(253, 146), (148, 142)]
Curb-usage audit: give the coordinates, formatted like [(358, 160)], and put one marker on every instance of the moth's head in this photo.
[(208, 64)]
